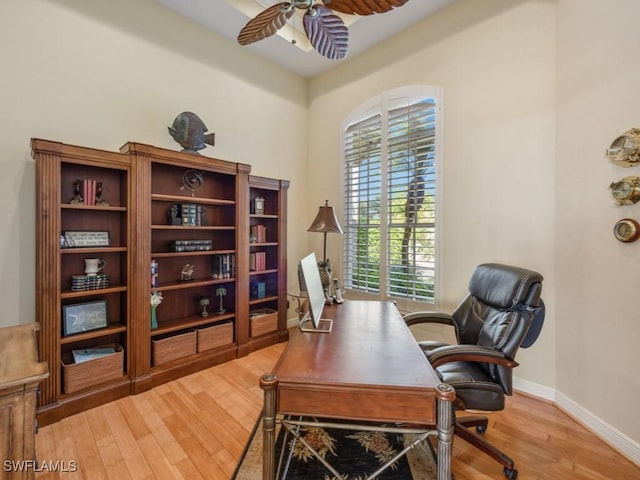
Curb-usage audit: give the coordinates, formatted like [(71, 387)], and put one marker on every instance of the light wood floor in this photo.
[(196, 427)]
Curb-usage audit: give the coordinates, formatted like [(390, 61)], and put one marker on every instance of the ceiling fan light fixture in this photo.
[(302, 4)]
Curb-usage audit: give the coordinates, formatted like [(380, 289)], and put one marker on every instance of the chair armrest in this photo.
[(428, 317), (469, 353)]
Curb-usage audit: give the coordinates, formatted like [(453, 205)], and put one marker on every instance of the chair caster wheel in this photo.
[(511, 474), (481, 429)]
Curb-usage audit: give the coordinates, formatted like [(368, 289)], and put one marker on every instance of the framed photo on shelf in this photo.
[(84, 317), (258, 206), (85, 238)]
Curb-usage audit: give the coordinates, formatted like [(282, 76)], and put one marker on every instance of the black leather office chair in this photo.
[(501, 313)]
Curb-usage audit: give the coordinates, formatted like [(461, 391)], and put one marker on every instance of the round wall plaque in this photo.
[(627, 230)]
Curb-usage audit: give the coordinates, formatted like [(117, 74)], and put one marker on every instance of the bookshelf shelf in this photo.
[(104, 332), (104, 208)]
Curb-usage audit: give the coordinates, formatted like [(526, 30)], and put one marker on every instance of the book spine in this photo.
[(92, 196), (154, 274), (184, 213), (192, 215)]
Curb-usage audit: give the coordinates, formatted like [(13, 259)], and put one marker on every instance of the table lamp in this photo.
[(325, 222)]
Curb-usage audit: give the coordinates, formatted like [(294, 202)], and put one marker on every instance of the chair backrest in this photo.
[(498, 312)]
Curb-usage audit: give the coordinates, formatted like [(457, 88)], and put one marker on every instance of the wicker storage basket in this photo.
[(173, 347), (215, 336), (263, 320), (78, 376)]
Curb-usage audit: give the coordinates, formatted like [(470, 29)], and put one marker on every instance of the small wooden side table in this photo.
[(20, 375)]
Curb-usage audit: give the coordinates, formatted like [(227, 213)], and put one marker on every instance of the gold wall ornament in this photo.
[(626, 230), (625, 150), (626, 191)]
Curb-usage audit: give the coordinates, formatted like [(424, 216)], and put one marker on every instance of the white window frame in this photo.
[(376, 105)]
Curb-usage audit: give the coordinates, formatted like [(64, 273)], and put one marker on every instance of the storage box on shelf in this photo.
[(79, 376), (215, 336), (173, 347), (263, 320)]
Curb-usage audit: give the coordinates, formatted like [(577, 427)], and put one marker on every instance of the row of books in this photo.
[(258, 234), (258, 261), (258, 289), (91, 191), (81, 283), (191, 245), (223, 266), (187, 214)]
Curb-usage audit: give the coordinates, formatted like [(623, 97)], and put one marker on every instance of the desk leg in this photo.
[(445, 395), (269, 384)]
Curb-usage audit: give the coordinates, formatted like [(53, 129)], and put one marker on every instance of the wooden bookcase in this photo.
[(162, 179), (58, 168), (267, 262), (182, 212)]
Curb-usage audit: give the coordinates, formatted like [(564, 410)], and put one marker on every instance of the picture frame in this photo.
[(84, 317), (85, 238), (258, 206)]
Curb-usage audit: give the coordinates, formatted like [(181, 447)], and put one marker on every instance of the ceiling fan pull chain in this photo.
[(293, 34)]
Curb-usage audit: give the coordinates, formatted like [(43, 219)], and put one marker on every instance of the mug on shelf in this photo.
[(93, 265)]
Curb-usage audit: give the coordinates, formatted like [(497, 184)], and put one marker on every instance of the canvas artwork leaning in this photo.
[(84, 317)]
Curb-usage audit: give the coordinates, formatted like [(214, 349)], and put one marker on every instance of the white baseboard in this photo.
[(534, 389), (618, 440)]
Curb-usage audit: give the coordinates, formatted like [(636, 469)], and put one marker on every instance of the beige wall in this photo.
[(598, 326), (498, 153), (100, 74)]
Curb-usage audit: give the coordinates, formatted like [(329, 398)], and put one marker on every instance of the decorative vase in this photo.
[(154, 320), (325, 274)]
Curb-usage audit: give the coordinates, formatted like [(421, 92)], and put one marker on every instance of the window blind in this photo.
[(390, 207)]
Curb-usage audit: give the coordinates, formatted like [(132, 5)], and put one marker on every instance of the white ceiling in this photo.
[(226, 18)]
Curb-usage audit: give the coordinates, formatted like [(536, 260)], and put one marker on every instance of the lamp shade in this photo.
[(325, 221)]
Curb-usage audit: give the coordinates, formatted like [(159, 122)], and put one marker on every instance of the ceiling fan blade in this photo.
[(327, 32), (363, 7), (266, 23)]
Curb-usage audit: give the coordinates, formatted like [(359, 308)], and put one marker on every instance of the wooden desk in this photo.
[(20, 374), (368, 368)]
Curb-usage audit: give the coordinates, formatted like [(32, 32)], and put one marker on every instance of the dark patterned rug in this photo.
[(354, 453)]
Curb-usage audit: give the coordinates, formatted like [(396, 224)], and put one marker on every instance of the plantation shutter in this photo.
[(363, 188), (411, 201), (390, 200)]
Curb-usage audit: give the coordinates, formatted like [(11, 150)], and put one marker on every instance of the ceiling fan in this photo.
[(326, 31)]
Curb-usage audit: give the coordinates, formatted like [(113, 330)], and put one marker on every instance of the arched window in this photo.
[(391, 154)]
